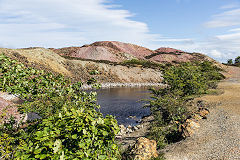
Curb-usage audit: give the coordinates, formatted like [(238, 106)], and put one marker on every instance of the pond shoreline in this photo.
[(129, 85)]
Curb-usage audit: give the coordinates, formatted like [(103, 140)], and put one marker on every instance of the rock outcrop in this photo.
[(131, 49), (144, 149), (170, 55), (112, 51)]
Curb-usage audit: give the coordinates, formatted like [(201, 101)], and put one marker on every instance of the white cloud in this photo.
[(222, 47), (174, 40), (216, 53), (230, 6), (59, 23), (234, 30), (225, 19)]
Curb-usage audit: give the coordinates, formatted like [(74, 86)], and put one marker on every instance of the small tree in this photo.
[(230, 62), (237, 61)]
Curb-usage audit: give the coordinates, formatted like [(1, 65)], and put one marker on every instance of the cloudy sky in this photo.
[(208, 26)]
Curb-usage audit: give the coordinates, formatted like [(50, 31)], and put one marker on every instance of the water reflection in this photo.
[(124, 102)]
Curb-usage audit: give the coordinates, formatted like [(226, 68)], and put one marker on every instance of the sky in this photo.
[(211, 27)]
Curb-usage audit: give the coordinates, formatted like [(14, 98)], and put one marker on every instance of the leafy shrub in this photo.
[(229, 61), (237, 61), (71, 134), (71, 126), (168, 105), (169, 112)]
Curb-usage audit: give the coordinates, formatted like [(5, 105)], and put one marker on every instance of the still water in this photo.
[(124, 103)]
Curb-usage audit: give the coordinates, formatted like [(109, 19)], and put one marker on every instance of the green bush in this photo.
[(168, 105), (71, 126), (144, 63), (71, 134)]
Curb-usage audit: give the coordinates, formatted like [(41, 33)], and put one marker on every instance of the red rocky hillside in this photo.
[(106, 50), (114, 51)]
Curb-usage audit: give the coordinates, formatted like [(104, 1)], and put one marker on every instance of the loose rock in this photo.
[(189, 127), (203, 112), (144, 149)]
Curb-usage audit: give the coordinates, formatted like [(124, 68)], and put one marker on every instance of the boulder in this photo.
[(203, 112), (144, 149), (31, 116), (189, 127)]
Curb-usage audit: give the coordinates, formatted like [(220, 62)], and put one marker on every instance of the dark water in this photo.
[(124, 102)]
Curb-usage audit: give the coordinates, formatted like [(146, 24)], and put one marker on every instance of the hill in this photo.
[(108, 57)]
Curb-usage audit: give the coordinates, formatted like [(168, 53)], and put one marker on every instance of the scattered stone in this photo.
[(201, 103), (129, 126), (196, 116), (203, 112), (189, 127), (135, 128), (134, 118), (139, 126), (144, 149), (129, 130), (123, 131)]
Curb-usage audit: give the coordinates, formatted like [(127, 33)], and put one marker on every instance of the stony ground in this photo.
[(218, 138)]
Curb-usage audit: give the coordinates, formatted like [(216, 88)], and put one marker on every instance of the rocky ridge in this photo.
[(115, 51)]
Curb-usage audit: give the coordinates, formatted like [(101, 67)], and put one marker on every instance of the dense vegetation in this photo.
[(168, 105), (143, 63), (236, 62), (71, 126)]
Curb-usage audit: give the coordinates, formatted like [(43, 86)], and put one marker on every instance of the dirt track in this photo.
[(218, 138)]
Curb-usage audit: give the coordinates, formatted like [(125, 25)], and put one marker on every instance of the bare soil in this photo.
[(218, 138)]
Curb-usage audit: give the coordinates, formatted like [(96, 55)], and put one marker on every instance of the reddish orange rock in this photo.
[(144, 149)]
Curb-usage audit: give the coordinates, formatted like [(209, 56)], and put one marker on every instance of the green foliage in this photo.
[(168, 105), (71, 126), (237, 61), (94, 72), (229, 61), (143, 63), (191, 78), (71, 134)]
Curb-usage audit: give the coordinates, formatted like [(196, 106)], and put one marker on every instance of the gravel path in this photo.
[(218, 138)]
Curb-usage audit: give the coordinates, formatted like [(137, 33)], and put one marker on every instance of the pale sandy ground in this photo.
[(218, 138)]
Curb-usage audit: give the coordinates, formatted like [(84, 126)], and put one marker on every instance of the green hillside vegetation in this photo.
[(71, 126)]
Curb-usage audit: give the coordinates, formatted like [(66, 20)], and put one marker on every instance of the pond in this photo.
[(124, 104)]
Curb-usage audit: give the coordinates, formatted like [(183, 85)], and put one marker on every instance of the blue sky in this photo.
[(207, 26)]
